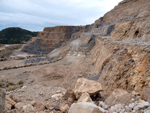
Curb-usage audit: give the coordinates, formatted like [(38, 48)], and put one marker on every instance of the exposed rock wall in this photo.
[(123, 64), (123, 57), (126, 10), (136, 28), (51, 38)]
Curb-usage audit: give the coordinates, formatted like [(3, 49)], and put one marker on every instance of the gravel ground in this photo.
[(37, 93), (37, 60)]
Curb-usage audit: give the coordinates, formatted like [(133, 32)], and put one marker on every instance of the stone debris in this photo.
[(85, 104), (118, 96), (12, 102), (40, 106), (37, 60), (143, 105), (33, 103), (19, 105), (103, 105), (69, 96), (84, 85), (57, 96), (64, 108), (47, 106), (27, 109), (85, 107)]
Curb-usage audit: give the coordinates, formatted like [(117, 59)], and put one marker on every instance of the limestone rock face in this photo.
[(118, 96), (123, 64), (51, 38), (85, 107), (84, 85), (136, 28), (101, 55), (129, 10)]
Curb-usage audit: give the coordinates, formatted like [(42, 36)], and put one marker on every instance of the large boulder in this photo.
[(84, 85), (2, 99), (85, 107), (146, 94), (119, 96)]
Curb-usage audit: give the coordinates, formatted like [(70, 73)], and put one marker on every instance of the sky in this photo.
[(34, 15)]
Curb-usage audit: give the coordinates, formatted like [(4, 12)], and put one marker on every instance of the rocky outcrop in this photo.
[(136, 28), (124, 64), (125, 11)]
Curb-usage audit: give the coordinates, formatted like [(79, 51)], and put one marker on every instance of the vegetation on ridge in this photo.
[(15, 35)]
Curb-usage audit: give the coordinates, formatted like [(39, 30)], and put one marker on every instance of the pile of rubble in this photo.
[(86, 97)]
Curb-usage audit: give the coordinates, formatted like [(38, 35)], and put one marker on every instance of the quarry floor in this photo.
[(62, 73)]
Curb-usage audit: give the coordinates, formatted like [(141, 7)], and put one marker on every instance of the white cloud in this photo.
[(45, 13)]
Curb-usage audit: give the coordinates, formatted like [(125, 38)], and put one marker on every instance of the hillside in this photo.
[(15, 35)]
